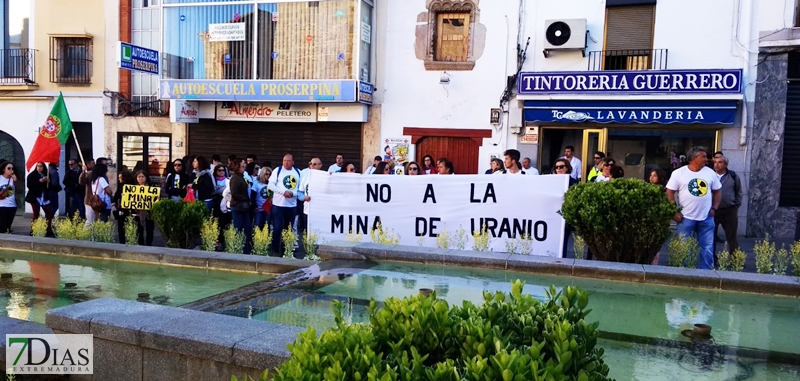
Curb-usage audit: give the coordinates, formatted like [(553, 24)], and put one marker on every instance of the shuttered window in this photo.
[(790, 180), (452, 36), (630, 27), (270, 141)]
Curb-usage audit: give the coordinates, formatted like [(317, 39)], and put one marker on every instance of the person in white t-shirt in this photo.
[(695, 189), (526, 166), (511, 163), (284, 183), (337, 166)]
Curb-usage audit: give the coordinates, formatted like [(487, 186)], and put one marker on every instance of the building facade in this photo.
[(775, 137), (254, 77), (630, 78), (52, 46)]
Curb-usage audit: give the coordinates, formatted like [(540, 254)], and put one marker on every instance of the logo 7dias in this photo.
[(49, 354)]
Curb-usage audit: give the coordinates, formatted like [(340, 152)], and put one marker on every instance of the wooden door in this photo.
[(463, 152)]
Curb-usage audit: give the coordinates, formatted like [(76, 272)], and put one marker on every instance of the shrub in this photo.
[(509, 337), (179, 222), (68, 228), (209, 234), (724, 259), (103, 231), (262, 238), (579, 245), (39, 227), (481, 239), (625, 220), (443, 240), (234, 240), (795, 252), (683, 251), (781, 261), (310, 241), (764, 251), (131, 231), (352, 236), (460, 239), (289, 239), (379, 235), (83, 232), (738, 259)]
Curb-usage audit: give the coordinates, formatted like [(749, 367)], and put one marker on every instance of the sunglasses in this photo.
[(413, 169), (177, 165), (560, 166), (9, 168), (598, 158)]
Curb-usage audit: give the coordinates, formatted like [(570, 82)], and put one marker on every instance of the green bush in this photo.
[(625, 220), (179, 222), (509, 337)]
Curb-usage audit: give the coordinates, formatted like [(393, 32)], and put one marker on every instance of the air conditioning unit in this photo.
[(564, 35)]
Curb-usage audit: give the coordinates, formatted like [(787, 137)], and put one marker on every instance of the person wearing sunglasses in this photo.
[(413, 169), (597, 168), (605, 175), (8, 198)]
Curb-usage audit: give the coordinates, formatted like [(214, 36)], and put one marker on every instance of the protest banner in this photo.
[(139, 197), (420, 208)]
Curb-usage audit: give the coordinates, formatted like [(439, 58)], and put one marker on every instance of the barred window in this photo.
[(71, 60)]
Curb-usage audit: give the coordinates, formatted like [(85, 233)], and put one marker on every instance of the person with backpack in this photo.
[(284, 184)]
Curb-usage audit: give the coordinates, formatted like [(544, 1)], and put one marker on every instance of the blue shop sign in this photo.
[(632, 82), (259, 90), (365, 92), (660, 112), (137, 58)]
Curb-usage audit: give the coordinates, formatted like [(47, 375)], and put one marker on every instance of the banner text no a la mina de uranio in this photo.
[(139, 197), (420, 208)]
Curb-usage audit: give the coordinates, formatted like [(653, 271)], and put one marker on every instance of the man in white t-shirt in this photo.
[(511, 161), (284, 184), (337, 166), (695, 189), (526, 166)]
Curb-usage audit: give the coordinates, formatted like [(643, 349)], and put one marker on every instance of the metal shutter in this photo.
[(463, 152), (790, 181), (629, 28), (270, 141)]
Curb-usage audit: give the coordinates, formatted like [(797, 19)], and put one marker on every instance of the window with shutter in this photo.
[(452, 42), (629, 37)]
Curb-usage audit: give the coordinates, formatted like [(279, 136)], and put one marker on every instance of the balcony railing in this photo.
[(634, 59), (17, 67)]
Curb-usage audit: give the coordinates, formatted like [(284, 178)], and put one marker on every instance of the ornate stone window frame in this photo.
[(436, 7)]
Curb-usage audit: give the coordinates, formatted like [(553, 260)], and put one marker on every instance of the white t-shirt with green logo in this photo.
[(11, 200), (282, 180), (693, 191)]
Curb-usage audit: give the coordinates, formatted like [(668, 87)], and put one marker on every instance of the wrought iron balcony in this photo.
[(634, 59), (17, 67)]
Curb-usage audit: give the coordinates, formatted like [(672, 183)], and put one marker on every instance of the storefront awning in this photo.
[(658, 112)]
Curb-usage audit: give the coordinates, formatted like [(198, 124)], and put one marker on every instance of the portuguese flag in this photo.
[(54, 134)]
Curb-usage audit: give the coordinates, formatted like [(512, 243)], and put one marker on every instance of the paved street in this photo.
[(21, 226)]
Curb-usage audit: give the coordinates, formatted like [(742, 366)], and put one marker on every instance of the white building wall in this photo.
[(776, 14), (410, 96), (30, 114)]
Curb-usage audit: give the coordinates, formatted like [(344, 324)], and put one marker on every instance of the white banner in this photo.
[(420, 208)]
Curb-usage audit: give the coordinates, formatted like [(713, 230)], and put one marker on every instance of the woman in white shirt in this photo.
[(608, 163), (8, 198), (103, 191)]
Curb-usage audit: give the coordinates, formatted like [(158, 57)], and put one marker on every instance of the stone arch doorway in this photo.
[(11, 150)]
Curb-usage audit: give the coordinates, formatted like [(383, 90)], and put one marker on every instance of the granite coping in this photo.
[(155, 255), (16, 326), (210, 336), (628, 272)]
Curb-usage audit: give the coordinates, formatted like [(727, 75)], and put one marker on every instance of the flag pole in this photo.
[(78, 146)]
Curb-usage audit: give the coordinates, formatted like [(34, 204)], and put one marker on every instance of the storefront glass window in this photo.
[(640, 151), (293, 40), (149, 153)]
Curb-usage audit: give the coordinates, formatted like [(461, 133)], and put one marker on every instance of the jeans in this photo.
[(75, 204), (704, 231), (210, 206), (281, 218), (243, 223), (729, 219), (262, 219)]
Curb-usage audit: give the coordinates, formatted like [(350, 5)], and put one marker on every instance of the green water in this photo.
[(739, 320), (38, 283)]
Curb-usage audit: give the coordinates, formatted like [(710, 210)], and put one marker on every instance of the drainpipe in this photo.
[(745, 35)]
